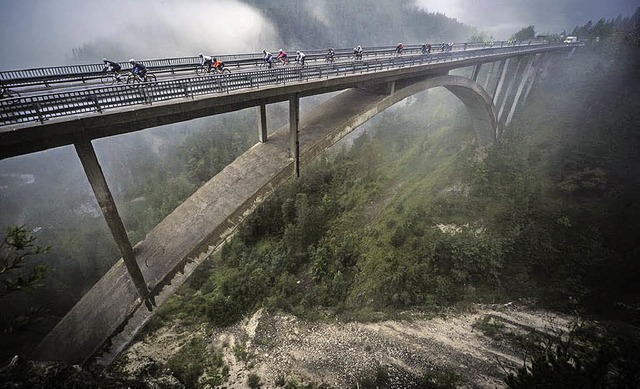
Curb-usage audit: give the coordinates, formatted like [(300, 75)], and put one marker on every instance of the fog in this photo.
[(37, 33), (503, 18)]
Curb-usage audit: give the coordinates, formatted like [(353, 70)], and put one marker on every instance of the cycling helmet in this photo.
[(132, 61), (104, 60), (200, 55), (281, 50), (215, 59), (298, 52), (264, 51)]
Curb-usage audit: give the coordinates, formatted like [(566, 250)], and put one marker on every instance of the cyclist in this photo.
[(138, 69), (282, 56), (112, 67), (426, 48), (399, 48), (357, 52), (331, 54), (300, 57), (206, 60), (268, 58), (218, 65)]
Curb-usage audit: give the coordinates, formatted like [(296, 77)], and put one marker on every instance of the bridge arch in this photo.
[(477, 101), (111, 312)]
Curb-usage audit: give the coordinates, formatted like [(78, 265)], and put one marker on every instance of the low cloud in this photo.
[(503, 18), (37, 33)]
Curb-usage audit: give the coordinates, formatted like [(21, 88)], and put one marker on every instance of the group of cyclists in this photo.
[(138, 69), (213, 63), (282, 57)]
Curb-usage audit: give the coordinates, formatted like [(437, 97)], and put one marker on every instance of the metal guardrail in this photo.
[(52, 105)]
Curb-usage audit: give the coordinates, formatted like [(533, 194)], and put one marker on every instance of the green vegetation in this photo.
[(193, 360), (410, 217), (16, 249)]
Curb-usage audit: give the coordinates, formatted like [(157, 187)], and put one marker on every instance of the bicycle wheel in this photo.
[(226, 71), (201, 71), (151, 77), (133, 81), (107, 79)]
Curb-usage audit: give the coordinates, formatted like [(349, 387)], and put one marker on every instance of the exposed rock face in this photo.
[(282, 348)]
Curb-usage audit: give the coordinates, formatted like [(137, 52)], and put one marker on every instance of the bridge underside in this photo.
[(112, 312)]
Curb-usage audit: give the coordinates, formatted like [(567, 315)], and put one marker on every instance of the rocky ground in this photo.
[(470, 349)]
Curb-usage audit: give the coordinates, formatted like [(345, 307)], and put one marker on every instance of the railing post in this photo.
[(294, 121), (107, 205)]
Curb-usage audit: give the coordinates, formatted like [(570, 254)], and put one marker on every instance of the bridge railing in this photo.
[(53, 105), (86, 72)]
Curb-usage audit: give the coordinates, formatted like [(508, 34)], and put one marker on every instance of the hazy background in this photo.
[(36, 33), (502, 18)]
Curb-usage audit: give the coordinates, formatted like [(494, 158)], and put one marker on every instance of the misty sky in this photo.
[(502, 18), (38, 33)]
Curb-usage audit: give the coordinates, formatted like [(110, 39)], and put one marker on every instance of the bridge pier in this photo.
[(525, 77), (262, 123), (502, 70), (509, 88), (541, 60), (107, 205), (489, 75), (391, 88), (294, 131), (475, 72)]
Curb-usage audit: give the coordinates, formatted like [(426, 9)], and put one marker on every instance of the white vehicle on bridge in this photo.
[(571, 39)]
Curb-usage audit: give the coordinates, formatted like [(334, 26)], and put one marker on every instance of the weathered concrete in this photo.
[(262, 123), (212, 213), (101, 190)]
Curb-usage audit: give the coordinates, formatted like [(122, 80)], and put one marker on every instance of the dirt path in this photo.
[(282, 347)]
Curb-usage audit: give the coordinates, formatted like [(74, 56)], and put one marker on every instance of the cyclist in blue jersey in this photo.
[(138, 69), (268, 58)]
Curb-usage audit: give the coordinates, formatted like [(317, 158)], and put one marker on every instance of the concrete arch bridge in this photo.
[(107, 317)]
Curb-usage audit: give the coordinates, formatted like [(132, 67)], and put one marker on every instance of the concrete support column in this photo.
[(486, 80), (509, 89), (391, 88), (525, 78), (294, 121), (107, 205), (475, 72), (537, 66), (262, 123), (502, 71)]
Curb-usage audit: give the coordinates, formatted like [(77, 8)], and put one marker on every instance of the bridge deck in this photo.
[(197, 226)]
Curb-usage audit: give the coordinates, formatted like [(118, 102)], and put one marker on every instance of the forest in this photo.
[(405, 217)]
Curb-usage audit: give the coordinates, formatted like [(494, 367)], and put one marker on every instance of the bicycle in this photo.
[(203, 70), (282, 61), (113, 78), (5, 92), (136, 80)]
